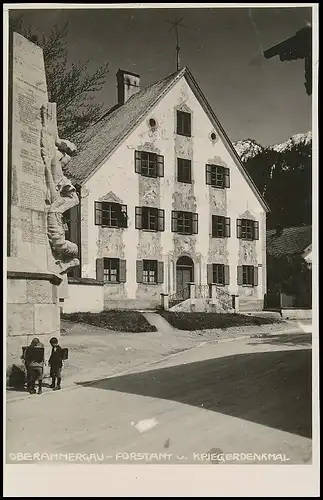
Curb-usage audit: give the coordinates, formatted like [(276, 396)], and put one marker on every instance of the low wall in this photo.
[(296, 313), (131, 304), (83, 296)]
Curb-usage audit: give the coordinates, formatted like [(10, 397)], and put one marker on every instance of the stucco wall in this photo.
[(117, 178), (84, 298)]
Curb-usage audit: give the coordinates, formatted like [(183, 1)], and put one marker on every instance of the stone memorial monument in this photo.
[(39, 255)]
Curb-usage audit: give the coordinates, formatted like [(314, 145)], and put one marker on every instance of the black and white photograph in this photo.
[(161, 245)]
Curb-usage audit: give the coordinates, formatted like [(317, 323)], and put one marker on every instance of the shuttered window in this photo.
[(111, 270), (218, 274), (149, 271), (217, 176), (183, 123), (247, 275), (184, 170), (184, 222), (220, 227), (150, 218), (149, 164), (110, 214), (247, 229)]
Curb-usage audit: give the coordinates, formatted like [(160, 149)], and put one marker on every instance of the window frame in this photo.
[(152, 266), (149, 164), (183, 123), (217, 176), (107, 211), (216, 273), (248, 272), (182, 165), (225, 231), (247, 227), (107, 271)]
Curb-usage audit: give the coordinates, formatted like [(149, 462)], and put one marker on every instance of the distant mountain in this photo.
[(283, 174), (249, 148)]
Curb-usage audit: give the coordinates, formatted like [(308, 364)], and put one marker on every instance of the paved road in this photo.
[(247, 396)]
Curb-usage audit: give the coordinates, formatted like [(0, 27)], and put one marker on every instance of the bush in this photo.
[(203, 321), (118, 320)]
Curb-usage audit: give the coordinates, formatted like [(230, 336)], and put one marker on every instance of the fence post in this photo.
[(192, 290), (213, 292), (235, 303), (166, 301)]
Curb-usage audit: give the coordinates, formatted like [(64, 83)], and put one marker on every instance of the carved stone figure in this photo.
[(61, 194)]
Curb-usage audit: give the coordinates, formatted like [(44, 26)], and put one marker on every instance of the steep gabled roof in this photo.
[(291, 241), (104, 137)]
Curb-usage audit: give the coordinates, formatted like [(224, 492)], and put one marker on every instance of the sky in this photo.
[(253, 97)]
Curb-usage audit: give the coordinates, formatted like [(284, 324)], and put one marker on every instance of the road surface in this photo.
[(246, 401)]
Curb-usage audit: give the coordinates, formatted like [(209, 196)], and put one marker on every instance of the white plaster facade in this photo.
[(116, 178)]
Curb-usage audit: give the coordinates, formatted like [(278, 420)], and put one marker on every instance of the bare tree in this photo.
[(72, 87)]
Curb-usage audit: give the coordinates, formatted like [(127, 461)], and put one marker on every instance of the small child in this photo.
[(34, 361), (55, 362)]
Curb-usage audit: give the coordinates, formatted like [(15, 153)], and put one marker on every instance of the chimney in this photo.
[(128, 84)]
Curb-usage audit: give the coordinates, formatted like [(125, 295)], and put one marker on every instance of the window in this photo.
[(111, 270), (149, 164), (183, 170), (150, 218), (110, 214), (150, 271), (184, 222), (183, 123), (247, 229), (220, 227), (247, 275), (218, 274), (217, 176)]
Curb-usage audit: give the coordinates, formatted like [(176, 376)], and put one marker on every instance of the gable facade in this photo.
[(186, 212)]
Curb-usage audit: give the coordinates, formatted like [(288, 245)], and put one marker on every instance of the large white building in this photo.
[(165, 200)]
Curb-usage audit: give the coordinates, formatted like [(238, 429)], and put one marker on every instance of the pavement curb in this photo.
[(78, 384)]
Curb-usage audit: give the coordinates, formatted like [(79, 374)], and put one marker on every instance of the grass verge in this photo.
[(204, 321), (120, 321)]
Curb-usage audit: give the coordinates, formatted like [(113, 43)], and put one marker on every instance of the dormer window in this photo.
[(183, 123)]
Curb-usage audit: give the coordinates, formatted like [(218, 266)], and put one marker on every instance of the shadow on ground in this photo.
[(287, 339), (269, 388)]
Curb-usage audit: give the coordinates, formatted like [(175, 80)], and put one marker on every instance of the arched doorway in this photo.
[(184, 275)]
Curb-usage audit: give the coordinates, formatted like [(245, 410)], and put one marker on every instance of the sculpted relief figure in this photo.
[(61, 194)]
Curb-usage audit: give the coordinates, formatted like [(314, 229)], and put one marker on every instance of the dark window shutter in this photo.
[(227, 229), (123, 216), (194, 223), (122, 271), (208, 174), (99, 269), (98, 213), (161, 220), (139, 271), (188, 124), (226, 275), (209, 270), (160, 272), (239, 275), (160, 166), (226, 172), (138, 217), (239, 232), (256, 230), (174, 221), (255, 276), (138, 162)]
